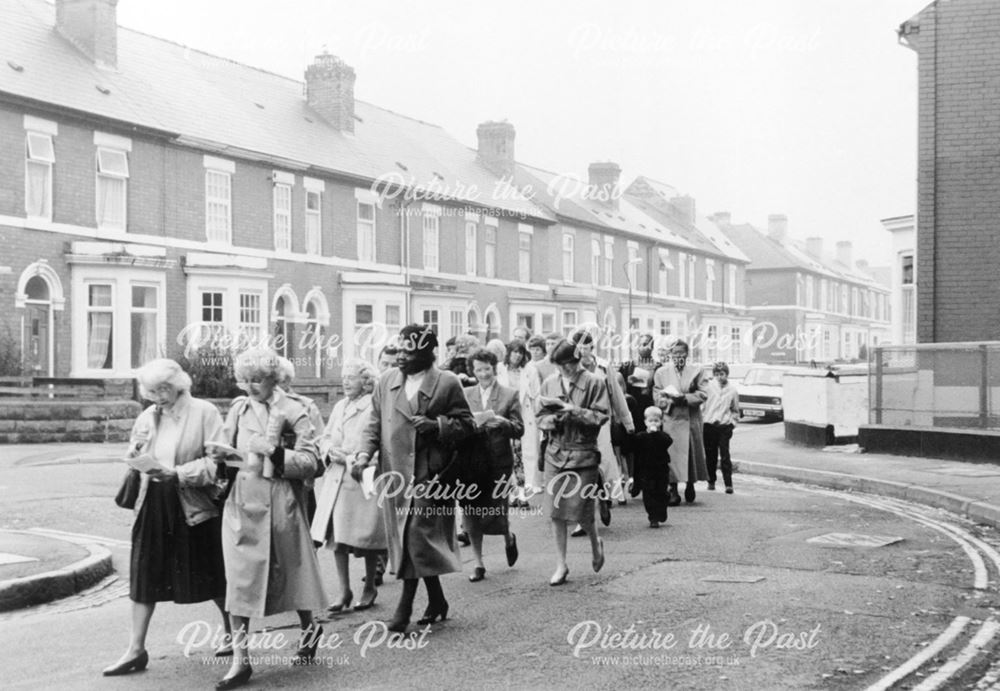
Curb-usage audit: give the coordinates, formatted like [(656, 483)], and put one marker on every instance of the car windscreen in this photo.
[(764, 377)]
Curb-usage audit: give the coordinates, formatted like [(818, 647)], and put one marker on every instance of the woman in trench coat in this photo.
[(419, 415), (271, 564), (680, 390), (346, 520)]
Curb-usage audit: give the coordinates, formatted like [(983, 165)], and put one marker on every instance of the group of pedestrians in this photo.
[(233, 511)]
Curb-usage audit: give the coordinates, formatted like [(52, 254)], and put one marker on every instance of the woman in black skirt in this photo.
[(176, 537)]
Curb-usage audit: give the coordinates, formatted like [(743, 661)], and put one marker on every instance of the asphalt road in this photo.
[(735, 592)]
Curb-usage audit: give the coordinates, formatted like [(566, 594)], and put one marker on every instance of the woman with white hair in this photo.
[(271, 564), (176, 542), (346, 520)]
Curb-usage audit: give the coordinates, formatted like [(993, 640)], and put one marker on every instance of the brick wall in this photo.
[(958, 241)]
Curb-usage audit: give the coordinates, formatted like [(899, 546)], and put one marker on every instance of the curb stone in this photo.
[(978, 511), (17, 593)]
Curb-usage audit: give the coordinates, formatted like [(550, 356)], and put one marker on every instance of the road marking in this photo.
[(918, 660), (80, 538), (8, 558), (947, 670)]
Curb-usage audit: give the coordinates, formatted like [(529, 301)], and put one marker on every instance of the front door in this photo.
[(36, 339)]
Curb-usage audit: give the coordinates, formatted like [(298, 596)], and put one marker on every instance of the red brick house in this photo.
[(958, 246)]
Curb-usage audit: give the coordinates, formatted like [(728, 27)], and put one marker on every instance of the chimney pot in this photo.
[(684, 205), (330, 91), (496, 147), (777, 227), (603, 179), (91, 26), (844, 251), (814, 246)]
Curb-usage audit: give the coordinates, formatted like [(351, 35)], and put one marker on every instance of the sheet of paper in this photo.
[(368, 481), (671, 390), (483, 416), (144, 463), (234, 457)]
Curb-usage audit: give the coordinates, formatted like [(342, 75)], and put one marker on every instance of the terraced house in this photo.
[(155, 197), (808, 304)]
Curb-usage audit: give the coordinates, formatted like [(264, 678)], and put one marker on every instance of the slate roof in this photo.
[(231, 108), (563, 195), (653, 197), (765, 252)]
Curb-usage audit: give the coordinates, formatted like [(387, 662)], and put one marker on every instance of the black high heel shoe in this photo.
[(136, 664), (237, 680), (433, 613), (342, 606), (366, 603), (310, 641), (398, 624)]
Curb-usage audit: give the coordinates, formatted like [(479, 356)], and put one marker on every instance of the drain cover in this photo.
[(854, 540)]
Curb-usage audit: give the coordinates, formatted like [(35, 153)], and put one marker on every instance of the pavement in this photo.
[(38, 566)]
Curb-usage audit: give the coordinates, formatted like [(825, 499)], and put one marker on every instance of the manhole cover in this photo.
[(6, 558), (732, 579), (854, 540)]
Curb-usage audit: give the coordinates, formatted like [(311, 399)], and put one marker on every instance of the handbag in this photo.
[(128, 493)]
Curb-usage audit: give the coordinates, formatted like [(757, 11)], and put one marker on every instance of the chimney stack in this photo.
[(685, 207), (604, 183), (862, 264), (91, 26), (844, 253), (777, 227), (330, 91), (723, 218), (496, 147), (814, 246)]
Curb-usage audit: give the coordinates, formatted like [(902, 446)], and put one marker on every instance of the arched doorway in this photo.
[(40, 295)]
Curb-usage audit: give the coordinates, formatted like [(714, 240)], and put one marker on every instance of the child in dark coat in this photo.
[(652, 466)]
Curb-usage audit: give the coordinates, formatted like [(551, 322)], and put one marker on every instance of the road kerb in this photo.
[(978, 511), (17, 593)]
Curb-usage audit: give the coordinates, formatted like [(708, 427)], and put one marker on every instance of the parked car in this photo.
[(761, 391)]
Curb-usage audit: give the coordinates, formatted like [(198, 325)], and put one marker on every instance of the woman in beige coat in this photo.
[(680, 389), (176, 545), (346, 520), (271, 564)]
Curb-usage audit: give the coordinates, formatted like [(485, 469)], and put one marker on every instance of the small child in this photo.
[(652, 466), (721, 411)]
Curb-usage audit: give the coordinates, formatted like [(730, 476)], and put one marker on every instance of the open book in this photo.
[(483, 416)]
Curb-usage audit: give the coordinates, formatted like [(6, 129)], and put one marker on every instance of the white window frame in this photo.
[(219, 194), (471, 246), (366, 232), (681, 274), (524, 237), (568, 321), (250, 332), (595, 262), (121, 281), (313, 225), (109, 148), (732, 273), (42, 155), (281, 201), (690, 277), (710, 279), (568, 257), (490, 252), (609, 260), (633, 264), (431, 237)]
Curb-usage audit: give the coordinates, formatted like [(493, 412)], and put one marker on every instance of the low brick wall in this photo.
[(39, 422)]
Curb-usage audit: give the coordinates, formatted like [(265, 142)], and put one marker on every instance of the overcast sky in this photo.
[(802, 107)]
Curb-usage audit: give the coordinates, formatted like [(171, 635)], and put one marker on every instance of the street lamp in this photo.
[(634, 261)]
